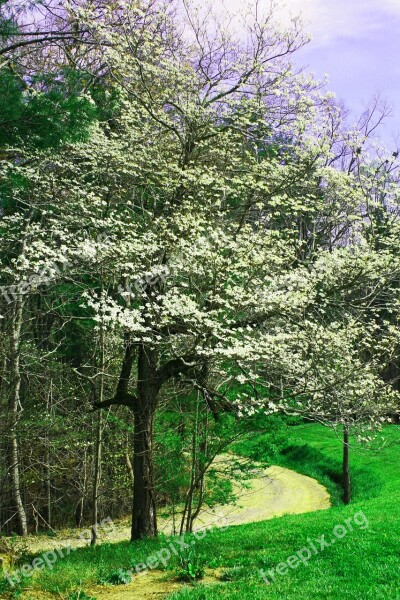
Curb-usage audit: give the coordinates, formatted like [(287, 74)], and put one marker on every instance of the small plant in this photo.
[(79, 595), (266, 562), (234, 574), (118, 577), (8, 591), (12, 551), (192, 566), (4, 586)]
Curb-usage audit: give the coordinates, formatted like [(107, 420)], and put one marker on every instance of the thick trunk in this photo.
[(150, 379), (346, 467), (144, 522), (144, 518), (14, 407)]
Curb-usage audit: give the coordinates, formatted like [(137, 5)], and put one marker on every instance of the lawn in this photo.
[(362, 563)]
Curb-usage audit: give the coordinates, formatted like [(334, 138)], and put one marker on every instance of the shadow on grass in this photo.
[(311, 462)]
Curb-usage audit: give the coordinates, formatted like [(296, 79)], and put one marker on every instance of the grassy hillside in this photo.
[(364, 563)]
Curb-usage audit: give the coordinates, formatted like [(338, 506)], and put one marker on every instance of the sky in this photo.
[(357, 44)]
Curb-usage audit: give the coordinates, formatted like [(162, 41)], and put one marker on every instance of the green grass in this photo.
[(317, 452), (92, 565), (364, 565)]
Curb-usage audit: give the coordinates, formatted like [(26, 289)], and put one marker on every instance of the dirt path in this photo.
[(271, 493), (274, 492)]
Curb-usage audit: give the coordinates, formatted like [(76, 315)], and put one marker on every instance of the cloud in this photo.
[(330, 20), (392, 6)]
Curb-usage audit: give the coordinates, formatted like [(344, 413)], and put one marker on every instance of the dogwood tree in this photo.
[(218, 148), (198, 221), (329, 361)]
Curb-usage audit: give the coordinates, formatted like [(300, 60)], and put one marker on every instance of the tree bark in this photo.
[(81, 502), (346, 466), (150, 379), (96, 478), (144, 519), (187, 521), (144, 523), (98, 446), (203, 452), (48, 457), (14, 407)]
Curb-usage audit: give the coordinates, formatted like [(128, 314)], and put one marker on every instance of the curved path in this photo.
[(269, 493), (272, 493)]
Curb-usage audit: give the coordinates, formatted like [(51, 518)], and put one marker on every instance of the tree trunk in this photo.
[(129, 465), (14, 407), (202, 474), (187, 521), (144, 522), (98, 446), (81, 502), (96, 478), (144, 518), (346, 466), (47, 457)]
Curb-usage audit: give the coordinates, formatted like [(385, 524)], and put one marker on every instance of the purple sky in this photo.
[(356, 43)]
